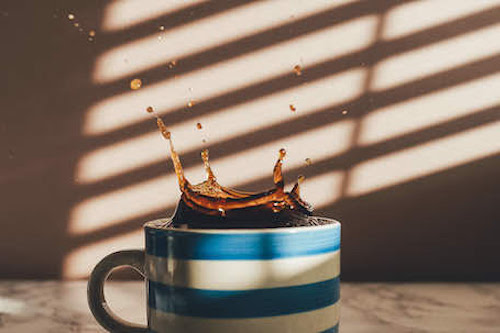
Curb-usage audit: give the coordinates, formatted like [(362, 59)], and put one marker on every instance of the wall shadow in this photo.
[(438, 227), (46, 66), (443, 227)]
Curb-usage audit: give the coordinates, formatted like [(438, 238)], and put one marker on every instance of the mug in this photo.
[(230, 280)]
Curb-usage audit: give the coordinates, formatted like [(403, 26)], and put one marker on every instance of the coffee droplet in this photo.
[(92, 33), (199, 126), (91, 39), (190, 104), (76, 25), (135, 84), (222, 211), (172, 64), (298, 70), (344, 112), (71, 16), (292, 108), (282, 153), (308, 161), (161, 28), (301, 179), (150, 109)]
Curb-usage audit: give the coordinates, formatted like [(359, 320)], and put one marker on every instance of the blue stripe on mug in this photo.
[(334, 329), (242, 246), (243, 303)]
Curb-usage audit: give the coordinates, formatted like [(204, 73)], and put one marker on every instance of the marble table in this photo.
[(55, 307)]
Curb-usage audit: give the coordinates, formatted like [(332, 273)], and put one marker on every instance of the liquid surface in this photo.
[(212, 206)]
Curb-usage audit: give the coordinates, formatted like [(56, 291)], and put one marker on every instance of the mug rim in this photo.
[(153, 225)]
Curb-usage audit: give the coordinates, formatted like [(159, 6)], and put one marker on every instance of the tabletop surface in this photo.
[(55, 307)]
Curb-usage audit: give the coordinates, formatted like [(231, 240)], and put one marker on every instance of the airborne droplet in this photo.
[(199, 126), (150, 109), (190, 104), (222, 212), (308, 161), (298, 70), (92, 33), (344, 112), (172, 64), (161, 27), (71, 16), (292, 108), (135, 84)]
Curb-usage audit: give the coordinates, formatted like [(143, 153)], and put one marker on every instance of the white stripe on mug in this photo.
[(243, 274)]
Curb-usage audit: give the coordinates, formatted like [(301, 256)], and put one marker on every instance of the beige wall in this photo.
[(397, 107)]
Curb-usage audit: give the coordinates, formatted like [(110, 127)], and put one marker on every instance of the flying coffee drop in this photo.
[(308, 161), (199, 126), (292, 108), (135, 84), (298, 70)]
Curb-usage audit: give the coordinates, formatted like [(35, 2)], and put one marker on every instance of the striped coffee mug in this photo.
[(250, 280)]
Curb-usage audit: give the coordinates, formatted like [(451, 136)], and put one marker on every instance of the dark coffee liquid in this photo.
[(246, 218), (209, 205)]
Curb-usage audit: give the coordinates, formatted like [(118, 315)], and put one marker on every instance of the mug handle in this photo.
[(95, 290)]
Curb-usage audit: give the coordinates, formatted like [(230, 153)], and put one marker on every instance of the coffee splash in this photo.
[(210, 205)]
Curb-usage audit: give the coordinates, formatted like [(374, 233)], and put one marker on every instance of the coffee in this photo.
[(209, 205)]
